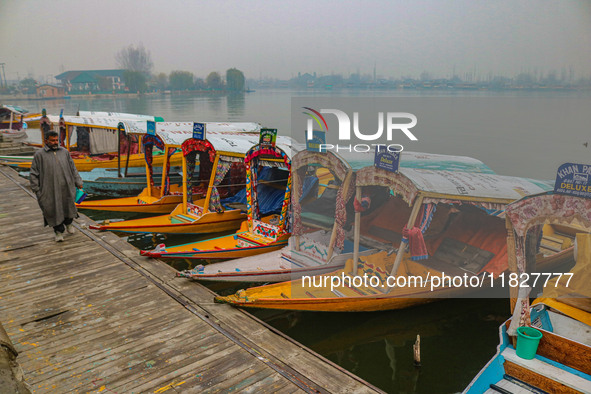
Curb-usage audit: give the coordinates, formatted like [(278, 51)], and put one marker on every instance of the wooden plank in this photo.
[(100, 364), (90, 314), (141, 381), (147, 360), (565, 351), (537, 380), (71, 334), (235, 379)]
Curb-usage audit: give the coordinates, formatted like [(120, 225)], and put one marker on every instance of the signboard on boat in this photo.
[(318, 139), (150, 127), (199, 131), (385, 160), (268, 138), (573, 179)]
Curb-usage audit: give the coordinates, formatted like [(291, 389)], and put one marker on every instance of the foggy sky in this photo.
[(281, 38)]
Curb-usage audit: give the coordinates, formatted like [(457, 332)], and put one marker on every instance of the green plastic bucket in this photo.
[(528, 339)]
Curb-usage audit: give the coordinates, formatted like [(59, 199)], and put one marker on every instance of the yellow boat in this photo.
[(452, 223), (260, 233), (166, 197), (105, 140), (150, 200), (221, 164)]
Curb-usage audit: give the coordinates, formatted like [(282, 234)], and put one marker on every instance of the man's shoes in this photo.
[(70, 229), (59, 237)]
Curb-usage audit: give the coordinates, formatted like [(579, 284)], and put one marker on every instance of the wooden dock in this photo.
[(91, 315)]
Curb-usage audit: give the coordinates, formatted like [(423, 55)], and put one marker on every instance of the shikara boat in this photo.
[(318, 223), (451, 221), (168, 195), (32, 120), (268, 177), (562, 363), (99, 144), (11, 123), (221, 173)]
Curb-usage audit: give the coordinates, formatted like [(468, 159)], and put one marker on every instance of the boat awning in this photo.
[(4, 109), (226, 138), (96, 122), (120, 115), (549, 207), (332, 161), (452, 186), (427, 161)]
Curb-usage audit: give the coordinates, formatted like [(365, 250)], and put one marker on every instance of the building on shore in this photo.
[(85, 81), (50, 91)]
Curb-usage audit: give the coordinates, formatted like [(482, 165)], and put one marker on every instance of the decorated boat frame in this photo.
[(258, 233), (223, 148)]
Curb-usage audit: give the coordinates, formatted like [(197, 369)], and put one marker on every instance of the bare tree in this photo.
[(135, 59)]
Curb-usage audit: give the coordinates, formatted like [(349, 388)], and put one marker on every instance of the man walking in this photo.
[(54, 179), (45, 124)]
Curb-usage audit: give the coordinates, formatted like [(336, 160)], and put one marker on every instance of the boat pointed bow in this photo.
[(150, 253), (233, 299)]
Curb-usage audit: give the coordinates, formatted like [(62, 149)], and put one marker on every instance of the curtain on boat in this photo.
[(148, 143), (171, 152), (190, 148), (414, 236), (103, 141), (220, 174)]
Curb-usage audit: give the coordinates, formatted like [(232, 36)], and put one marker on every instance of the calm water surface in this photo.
[(522, 134)]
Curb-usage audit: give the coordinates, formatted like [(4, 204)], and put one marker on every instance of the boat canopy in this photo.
[(7, 109), (548, 207), (95, 122), (335, 163), (120, 115), (221, 135), (438, 185), (427, 161), (525, 219)]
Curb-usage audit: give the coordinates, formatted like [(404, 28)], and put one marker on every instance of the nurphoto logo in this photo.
[(391, 119)]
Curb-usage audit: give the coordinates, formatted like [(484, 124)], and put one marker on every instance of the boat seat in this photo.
[(318, 220), (546, 372), (252, 238), (182, 219)]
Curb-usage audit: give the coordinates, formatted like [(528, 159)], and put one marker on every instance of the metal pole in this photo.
[(4, 83)]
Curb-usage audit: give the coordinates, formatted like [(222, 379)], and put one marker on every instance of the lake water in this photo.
[(525, 134)]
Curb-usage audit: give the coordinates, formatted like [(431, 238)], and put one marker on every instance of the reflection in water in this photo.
[(235, 103), (215, 103), (377, 346)]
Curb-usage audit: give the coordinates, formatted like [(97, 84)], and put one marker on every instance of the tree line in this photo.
[(138, 76)]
